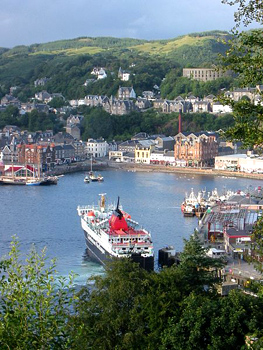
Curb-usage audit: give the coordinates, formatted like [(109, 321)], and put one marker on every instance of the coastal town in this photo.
[(225, 226), (202, 149), (131, 168)]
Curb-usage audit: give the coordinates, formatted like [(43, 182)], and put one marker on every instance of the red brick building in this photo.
[(38, 155), (196, 149)]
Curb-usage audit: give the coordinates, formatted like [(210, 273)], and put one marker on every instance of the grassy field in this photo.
[(164, 47)]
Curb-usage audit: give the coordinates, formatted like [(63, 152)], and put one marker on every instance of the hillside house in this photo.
[(125, 93), (73, 130), (10, 100), (41, 81), (202, 106), (99, 72), (123, 75)]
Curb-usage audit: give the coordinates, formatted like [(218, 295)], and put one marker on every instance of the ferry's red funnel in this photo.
[(117, 221)]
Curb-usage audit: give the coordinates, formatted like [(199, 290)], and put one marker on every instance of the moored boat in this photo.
[(6, 180), (111, 233), (86, 179), (33, 182), (95, 178)]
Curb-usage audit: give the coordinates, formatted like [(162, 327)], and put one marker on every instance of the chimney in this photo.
[(180, 121)]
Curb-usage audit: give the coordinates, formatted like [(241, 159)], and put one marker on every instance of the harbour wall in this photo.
[(106, 164)]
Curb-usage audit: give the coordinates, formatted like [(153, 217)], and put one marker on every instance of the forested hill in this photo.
[(69, 62)]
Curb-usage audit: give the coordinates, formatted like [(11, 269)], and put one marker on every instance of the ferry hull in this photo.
[(103, 257)]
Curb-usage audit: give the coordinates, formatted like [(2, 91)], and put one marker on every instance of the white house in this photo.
[(218, 108), (97, 148), (102, 74)]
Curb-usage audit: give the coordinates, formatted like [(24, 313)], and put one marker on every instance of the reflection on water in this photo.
[(47, 216)]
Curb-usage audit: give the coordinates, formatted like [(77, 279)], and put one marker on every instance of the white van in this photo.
[(216, 253)]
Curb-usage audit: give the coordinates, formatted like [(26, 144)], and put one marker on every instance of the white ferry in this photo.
[(111, 233)]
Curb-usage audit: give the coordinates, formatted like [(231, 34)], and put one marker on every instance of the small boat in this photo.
[(96, 178), (86, 179), (92, 176), (49, 180), (189, 211), (33, 182)]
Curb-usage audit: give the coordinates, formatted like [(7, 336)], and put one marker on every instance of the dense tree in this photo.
[(57, 102), (34, 306), (247, 12), (245, 57), (129, 308), (175, 85), (98, 123), (215, 323), (9, 116), (109, 316)]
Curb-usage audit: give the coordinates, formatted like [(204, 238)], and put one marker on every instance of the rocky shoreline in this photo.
[(101, 165)]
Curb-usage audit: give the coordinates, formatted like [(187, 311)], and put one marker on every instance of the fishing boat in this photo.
[(111, 233)]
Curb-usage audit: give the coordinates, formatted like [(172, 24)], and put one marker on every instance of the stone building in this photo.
[(196, 149), (42, 156), (203, 74)]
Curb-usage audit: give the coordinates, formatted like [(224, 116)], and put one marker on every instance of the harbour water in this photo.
[(47, 216)]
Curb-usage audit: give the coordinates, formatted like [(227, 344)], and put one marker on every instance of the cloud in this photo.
[(35, 21)]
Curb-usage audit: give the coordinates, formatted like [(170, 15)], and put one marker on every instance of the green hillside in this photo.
[(69, 62)]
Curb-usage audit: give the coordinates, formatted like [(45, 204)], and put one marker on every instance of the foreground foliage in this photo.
[(34, 305), (128, 308), (245, 58), (176, 308)]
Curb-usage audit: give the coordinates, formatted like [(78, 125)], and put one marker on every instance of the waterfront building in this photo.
[(196, 149), (229, 225), (248, 163), (128, 146), (97, 148), (42, 156), (121, 156), (162, 157), (165, 143), (143, 151), (80, 150)]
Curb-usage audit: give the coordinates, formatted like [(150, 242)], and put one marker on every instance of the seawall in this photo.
[(106, 164)]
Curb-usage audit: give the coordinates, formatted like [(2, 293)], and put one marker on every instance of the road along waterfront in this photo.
[(103, 164)]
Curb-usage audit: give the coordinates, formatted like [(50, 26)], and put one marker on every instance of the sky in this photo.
[(26, 22)]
